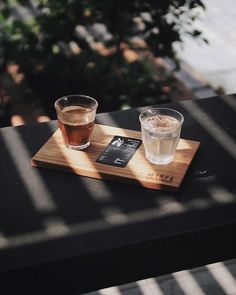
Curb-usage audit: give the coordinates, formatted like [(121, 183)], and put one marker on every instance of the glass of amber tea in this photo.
[(76, 115)]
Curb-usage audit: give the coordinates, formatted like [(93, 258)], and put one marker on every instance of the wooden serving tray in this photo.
[(139, 170)]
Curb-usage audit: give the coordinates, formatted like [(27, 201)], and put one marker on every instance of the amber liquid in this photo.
[(75, 126)]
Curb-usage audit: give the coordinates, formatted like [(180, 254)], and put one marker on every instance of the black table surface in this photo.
[(65, 234)]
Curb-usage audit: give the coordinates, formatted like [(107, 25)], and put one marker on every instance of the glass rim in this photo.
[(65, 97), (159, 109)]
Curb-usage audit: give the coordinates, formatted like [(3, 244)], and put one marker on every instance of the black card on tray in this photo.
[(119, 151)]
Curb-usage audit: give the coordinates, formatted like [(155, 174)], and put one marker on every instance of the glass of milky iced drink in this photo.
[(161, 129), (76, 115)]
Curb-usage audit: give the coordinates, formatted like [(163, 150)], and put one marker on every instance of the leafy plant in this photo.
[(105, 48)]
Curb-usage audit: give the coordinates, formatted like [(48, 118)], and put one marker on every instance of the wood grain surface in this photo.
[(54, 155)]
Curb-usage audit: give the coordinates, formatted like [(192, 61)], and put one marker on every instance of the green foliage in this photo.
[(79, 45)]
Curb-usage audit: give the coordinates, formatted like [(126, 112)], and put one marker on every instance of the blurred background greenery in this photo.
[(111, 50)]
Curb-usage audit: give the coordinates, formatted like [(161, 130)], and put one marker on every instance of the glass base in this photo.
[(78, 147), (161, 160)]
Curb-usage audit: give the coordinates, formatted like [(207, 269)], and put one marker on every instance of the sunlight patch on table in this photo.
[(188, 283), (98, 191), (55, 227), (114, 215), (216, 131), (33, 183), (221, 194), (168, 205), (154, 287), (3, 241), (223, 276), (230, 101), (110, 291)]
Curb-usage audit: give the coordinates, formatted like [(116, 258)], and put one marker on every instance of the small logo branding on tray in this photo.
[(160, 177)]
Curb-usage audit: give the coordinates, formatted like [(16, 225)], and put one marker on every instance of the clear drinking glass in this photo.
[(161, 129), (76, 114)]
